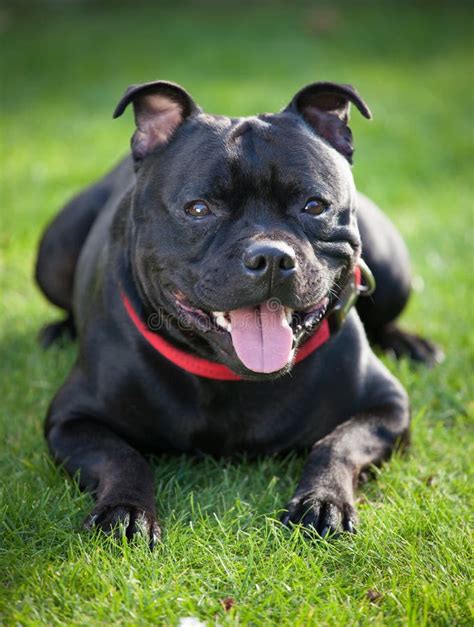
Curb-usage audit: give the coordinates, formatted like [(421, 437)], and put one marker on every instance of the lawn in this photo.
[(225, 558)]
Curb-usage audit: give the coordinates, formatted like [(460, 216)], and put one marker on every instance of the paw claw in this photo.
[(155, 536), (285, 519), (90, 521), (325, 532), (349, 527)]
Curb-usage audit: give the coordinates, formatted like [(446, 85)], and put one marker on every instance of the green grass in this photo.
[(63, 69)]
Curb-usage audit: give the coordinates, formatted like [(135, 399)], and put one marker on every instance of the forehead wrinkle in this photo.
[(248, 183), (254, 125), (281, 158)]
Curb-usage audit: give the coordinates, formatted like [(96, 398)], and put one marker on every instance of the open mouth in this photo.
[(263, 336)]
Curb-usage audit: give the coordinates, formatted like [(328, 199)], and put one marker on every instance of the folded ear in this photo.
[(325, 107), (160, 108)]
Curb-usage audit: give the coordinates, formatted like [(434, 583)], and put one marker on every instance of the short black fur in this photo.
[(131, 231)]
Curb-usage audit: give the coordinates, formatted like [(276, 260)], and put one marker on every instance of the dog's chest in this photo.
[(240, 419), (221, 420)]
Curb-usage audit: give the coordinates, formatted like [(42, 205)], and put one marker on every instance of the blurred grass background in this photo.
[(64, 65)]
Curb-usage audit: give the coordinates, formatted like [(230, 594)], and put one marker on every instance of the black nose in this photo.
[(270, 260)]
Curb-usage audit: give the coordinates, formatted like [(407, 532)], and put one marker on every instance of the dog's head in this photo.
[(243, 228)]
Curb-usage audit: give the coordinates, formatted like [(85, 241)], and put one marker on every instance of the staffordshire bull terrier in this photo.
[(210, 279)]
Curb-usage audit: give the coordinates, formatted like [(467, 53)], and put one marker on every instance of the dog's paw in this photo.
[(319, 514), (125, 520), (57, 333), (403, 344)]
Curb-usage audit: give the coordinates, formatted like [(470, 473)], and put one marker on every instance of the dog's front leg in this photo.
[(117, 475), (324, 498)]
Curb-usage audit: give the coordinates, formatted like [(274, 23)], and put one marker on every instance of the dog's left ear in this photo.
[(325, 107)]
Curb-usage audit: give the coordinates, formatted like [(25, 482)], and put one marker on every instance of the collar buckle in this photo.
[(361, 283), (367, 280)]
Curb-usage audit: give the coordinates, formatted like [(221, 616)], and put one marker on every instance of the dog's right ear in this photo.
[(160, 108)]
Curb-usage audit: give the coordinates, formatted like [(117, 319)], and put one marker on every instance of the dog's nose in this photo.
[(272, 260)]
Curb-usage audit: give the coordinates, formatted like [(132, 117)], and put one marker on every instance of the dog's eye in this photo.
[(315, 207), (197, 209)]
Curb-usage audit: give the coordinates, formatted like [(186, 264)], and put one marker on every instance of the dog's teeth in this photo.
[(313, 319), (288, 314), (221, 321)]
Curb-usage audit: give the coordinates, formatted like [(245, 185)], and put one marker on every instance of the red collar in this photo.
[(210, 369)]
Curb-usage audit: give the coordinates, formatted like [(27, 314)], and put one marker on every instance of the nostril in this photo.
[(287, 262), (256, 262)]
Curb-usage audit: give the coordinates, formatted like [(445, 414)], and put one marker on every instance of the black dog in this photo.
[(210, 281)]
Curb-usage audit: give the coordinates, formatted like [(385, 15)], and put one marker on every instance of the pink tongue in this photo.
[(262, 337)]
